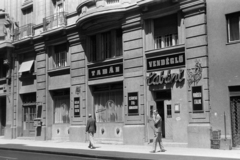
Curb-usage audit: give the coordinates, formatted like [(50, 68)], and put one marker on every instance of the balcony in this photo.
[(23, 32), (54, 21)]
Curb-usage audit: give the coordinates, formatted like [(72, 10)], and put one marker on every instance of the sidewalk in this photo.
[(115, 151)]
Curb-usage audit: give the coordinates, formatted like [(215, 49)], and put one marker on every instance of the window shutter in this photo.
[(149, 41)]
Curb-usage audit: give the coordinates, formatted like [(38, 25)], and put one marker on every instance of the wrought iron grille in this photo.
[(166, 41), (235, 118), (54, 21), (23, 32)]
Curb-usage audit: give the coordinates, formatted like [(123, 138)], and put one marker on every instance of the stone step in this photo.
[(26, 138)]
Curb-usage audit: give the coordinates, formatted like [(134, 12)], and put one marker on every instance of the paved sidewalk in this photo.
[(109, 150)]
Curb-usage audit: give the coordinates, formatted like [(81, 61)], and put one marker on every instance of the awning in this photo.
[(26, 66)]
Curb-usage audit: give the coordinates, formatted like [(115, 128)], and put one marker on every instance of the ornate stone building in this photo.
[(118, 60)]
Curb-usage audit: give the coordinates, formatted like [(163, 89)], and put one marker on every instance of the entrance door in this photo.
[(150, 123), (235, 119), (160, 109), (168, 119), (29, 114), (2, 115)]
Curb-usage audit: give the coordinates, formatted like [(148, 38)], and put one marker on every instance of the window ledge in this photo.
[(179, 47), (2, 79), (111, 60), (60, 70), (27, 4), (197, 112), (233, 42)]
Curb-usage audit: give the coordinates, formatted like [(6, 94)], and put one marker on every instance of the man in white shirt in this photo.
[(158, 132)]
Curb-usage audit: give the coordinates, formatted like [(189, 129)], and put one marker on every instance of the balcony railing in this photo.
[(112, 1), (166, 41), (54, 21), (23, 32)]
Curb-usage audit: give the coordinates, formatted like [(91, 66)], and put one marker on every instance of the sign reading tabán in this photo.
[(105, 71)]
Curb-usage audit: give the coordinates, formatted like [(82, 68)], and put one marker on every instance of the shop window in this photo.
[(233, 26), (108, 104), (61, 107), (3, 68), (105, 45), (60, 56), (164, 32)]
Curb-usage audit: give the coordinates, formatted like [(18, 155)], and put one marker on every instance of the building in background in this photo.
[(119, 60)]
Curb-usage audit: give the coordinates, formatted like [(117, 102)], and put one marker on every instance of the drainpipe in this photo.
[(225, 130)]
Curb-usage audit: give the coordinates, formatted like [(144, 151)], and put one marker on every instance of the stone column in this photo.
[(197, 65)]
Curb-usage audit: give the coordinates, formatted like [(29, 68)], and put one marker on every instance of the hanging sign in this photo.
[(166, 61), (197, 98), (156, 79), (133, 103), (76, 107), (105, 71)]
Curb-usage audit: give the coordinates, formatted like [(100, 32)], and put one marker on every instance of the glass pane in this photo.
[(109, 106), (234, 27)]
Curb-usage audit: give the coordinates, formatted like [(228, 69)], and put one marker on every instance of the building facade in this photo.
[(61, 60)]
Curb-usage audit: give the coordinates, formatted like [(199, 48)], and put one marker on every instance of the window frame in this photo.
[(149, 29), (228, 27), (97, 54), (27, 15), (52, 62)]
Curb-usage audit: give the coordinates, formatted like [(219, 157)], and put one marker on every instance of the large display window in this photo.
[(108, 104)]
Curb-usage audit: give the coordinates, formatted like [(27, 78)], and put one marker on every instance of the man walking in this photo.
[(91, 129), (158, 132)]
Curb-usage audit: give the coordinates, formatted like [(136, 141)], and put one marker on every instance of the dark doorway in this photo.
[(2, 115), (29, 114), (160, 108)]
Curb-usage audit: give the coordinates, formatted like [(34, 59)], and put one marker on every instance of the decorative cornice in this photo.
[(74, 38), (24, 50), (6, 44), (190, 6), (39, 46)]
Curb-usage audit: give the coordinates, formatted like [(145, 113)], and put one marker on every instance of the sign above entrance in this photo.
[(166, 61), (156, 79), (106, 71)]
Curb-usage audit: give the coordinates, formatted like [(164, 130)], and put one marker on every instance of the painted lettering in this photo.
[(93, 73), (111, 70), (104, 71), (167, 61), (117, 69), (155, 79), (98, 72)]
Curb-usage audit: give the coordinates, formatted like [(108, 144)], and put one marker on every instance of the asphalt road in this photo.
[(9, 154)]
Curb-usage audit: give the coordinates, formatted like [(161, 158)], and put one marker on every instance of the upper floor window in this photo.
[(27, 16), (105, 45), (59, 56), (233, 26), (164, 32)]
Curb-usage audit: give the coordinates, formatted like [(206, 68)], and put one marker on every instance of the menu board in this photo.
[(197, 98), (133, 103), (76, 107)]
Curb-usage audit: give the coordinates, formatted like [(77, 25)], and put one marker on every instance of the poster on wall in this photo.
[(133, 103), (197, 98), (76, 107)]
